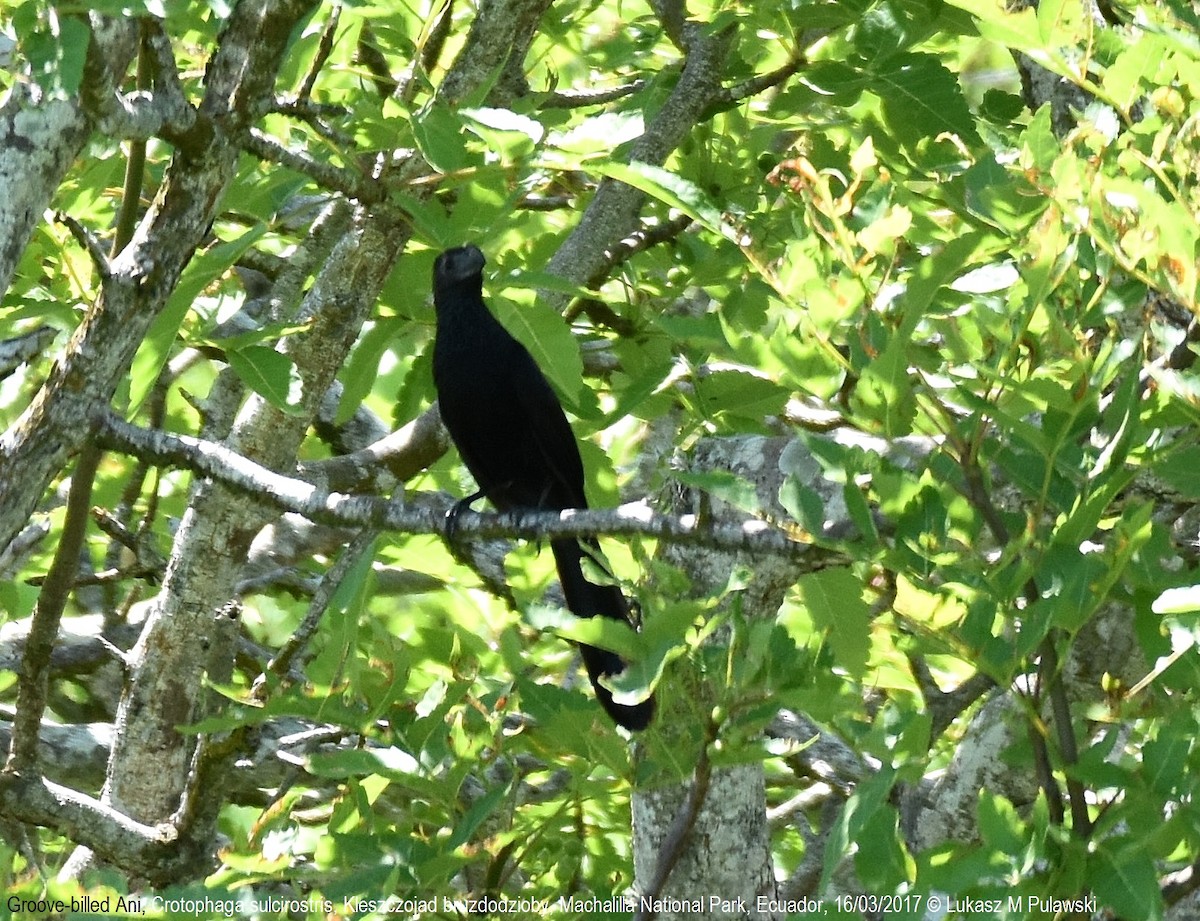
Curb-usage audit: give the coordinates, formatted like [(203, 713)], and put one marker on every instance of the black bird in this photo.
[(514, 438)]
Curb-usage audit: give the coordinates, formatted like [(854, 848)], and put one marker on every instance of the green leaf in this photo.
[(742, 394), (359, 374), (645, 661), (1001, 197), (74, 39), (155, 349), (1181, 470), (834, 601), (835, 82), (595, 631), (884, 393), (438, 133), (803, 503), (392, 762), (880, 31), (1181, 600), (1127, 882), (999, 824), (932, 273), (267, 333), (57, 59), (1015, 30), (922, 99), (724, 485), (541, 281), (599, 134), (548, 338), (882, 861), (514, 137), (859, 813), (483, 807), (270, 374), (670, 189), (1165, 761), (1135, 69)]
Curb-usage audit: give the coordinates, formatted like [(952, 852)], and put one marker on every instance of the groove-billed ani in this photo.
[(511, 432)]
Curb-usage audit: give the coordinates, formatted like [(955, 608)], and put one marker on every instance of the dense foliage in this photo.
[(869, 231)]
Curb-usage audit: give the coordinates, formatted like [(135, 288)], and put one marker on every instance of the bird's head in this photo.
[(454, 266)]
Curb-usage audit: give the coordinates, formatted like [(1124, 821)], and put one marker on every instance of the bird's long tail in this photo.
[(587, 599)]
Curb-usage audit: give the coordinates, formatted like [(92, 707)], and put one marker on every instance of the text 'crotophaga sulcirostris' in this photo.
[(511, 432)]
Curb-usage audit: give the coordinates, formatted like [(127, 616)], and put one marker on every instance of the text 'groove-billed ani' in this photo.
[(514, 438)]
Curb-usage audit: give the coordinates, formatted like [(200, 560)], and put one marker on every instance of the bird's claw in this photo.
[(455, 510)]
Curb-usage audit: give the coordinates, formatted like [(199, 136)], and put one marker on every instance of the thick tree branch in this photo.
[(614, 212), (500, 33), (40, 136), (357, 511), (33, 799), (394, 458)]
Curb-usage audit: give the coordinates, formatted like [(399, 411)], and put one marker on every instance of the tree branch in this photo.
[(578, 99), (685, 821), (16, 351), (348, 182), (88, 240), (32, 799), (34, 676), (281, 664), (642, 239), (324, 49), (357, 511), (613, 213), (756, 85)]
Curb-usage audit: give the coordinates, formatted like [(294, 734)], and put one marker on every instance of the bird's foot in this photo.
[(455, 510)]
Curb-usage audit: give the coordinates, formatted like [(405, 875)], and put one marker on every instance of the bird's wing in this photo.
[(553, 437)]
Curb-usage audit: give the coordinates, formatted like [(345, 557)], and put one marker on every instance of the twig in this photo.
[(1060, 707), (324, 49), (945, 706), (431, 51), (34, 676), (545, 202), (349, 183), (281, 664), (756, 85), (639, 241), (314, 114), (577, 99), (376, 63), (16, 351), (1049, 682), (90, 243)]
